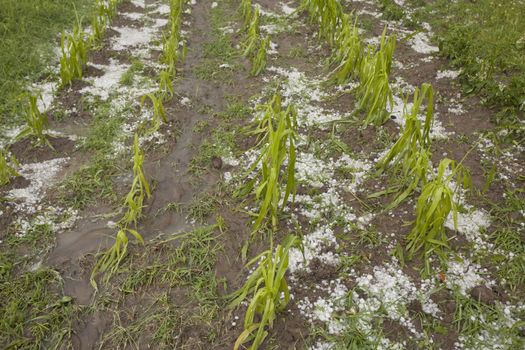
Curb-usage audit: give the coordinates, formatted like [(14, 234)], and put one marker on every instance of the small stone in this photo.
[(216, 162), (483, 293)]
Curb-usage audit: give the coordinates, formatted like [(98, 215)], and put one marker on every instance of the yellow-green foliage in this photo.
[(349, 52), (328, 14), (374, 90), (260, 59), (433, 207), (277, 133), (7, 170), (36, 121), (409, 157), (268, 290), (74, 54), (159, 115), (105, 10), (110, 260), (253, 35), (245, 10)]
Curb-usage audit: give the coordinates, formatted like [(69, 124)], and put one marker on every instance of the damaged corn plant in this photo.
[(159, 116), (328, 14), (254, 47), (7, 167), (268, 292), (276, 131), (433, 207), (110, 260), (348, 55), (74, 54), (245, 11), (374, 90), (409, 158), (36, 121), (104, 12)]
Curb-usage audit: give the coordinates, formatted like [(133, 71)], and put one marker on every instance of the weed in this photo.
[(7, 170), (269, 290), (433, 207), (277, 134), (36, 122), (409, 157)]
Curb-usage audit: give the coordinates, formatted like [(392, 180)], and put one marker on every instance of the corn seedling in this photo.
[(410, 157), (253, 36), (245, 10), (349, 53), (134, 203), (374, 90), (433, 207), (74, 54), (268, 290), (328, 14), (165, 85), (7, 171), (170, 52), (159, 115), (277, 132), (36, 122), (259, 60)]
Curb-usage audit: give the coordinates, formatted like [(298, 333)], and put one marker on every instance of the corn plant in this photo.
[(259, 60), (277, 133), (133, 203), (433, 207), (245, 10), (409, 157), (170, 52), (165, 85), (36, 121), (253, 35), (7, 171), (374, 90), (349, 52), (268, 290), (74, 54), (159, 115), (328, 14)]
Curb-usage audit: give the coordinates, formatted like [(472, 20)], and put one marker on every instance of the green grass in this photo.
[(486, 40), (35, 314), (7, 167), (28, 33)]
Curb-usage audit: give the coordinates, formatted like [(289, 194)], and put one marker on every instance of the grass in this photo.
[(28, 32), (485, 40), (269, 293), (35, 313)]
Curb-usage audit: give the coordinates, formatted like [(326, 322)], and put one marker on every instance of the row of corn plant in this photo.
[(133, 203), (110, 260), (7, 167), (104, 12), (350, 60), (172, 54), (255, 47), (74, 46), (273, 184)]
